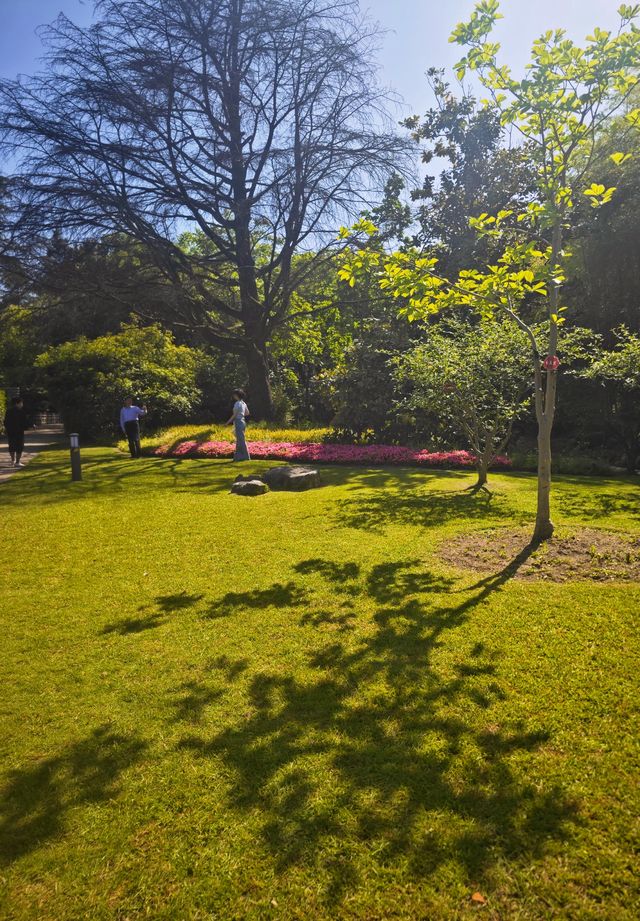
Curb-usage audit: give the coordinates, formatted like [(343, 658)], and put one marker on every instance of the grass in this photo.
[(256, 431), (288, 707)]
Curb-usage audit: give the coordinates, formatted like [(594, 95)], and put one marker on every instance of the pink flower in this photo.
[(184, 448), (373, 455)]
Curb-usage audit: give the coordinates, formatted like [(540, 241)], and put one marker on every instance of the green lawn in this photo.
[(286, 707)]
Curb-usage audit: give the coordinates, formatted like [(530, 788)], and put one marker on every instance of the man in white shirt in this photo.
[(129, 415)]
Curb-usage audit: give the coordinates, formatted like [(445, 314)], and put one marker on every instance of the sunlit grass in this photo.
[(288, 707), (256, 431)]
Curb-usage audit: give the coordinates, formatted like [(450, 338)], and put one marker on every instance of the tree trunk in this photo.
[(546, 404), (483, 459), (481, 467), (259, 397), (544, 526)]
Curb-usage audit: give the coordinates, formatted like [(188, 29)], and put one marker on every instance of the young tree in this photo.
[(567, 96), (254, 122), (475, 379)]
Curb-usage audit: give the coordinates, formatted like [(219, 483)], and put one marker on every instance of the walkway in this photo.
[(35, 440)]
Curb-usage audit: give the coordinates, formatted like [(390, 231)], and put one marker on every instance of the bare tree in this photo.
[(257, 124)]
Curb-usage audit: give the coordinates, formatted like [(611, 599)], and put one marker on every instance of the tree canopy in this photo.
[(257, 124)]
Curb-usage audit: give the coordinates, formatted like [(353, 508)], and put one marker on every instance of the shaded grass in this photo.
[(288, 707)]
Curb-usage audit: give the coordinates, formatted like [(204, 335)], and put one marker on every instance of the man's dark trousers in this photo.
[(16, 442), (132, 431)]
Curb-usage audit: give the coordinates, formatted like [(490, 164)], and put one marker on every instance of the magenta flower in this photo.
[(372, 455)]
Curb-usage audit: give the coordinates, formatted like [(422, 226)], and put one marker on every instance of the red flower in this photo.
[(397, 455)]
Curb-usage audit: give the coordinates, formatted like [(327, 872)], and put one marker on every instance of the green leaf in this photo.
[(620, 158), (627, 11), (633, 118)]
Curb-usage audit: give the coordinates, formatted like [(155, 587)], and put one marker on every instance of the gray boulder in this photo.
[(249, 486), (291, 478)]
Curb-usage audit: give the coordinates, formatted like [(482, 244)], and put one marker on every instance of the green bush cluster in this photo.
[(88, 380)]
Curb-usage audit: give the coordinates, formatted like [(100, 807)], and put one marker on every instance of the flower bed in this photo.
[(329, 454)]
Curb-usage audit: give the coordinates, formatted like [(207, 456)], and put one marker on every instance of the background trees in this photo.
[(252, 122), (479, 173), (155, 229), (617, 370)]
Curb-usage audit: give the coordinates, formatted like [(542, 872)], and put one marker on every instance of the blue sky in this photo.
[(417, 37)]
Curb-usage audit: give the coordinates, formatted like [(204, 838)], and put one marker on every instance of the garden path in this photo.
[(35, 440)]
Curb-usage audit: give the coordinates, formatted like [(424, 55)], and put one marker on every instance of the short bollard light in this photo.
[(76, 463)]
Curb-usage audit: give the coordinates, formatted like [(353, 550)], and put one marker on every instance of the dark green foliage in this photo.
[(86, 290), (309, 352), (306, 357), (618, 372), (20, 343), (606, 246), (479, 175), (366, 388), (393, 215), (217, 376)]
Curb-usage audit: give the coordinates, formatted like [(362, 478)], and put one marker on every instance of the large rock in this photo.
[(292, 478), (249, 486)]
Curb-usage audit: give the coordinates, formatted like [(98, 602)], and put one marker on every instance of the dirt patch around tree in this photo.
[(584, 554)]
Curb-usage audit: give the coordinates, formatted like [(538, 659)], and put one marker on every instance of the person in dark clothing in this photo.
[(15, 423), (129, 415)]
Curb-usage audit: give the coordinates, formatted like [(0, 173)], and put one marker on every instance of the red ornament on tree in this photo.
[(551, 363)]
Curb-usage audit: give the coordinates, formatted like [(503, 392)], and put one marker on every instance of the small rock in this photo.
[(249, 487), (292, 478)]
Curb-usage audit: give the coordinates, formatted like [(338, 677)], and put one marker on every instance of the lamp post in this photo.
[(76, 464)]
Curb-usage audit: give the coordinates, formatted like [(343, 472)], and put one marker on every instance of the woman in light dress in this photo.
[(239, 419)]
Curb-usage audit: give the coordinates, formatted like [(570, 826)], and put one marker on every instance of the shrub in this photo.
[(89, 379)]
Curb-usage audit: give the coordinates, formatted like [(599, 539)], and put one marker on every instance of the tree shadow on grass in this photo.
[(35, 801), (387, 743), (193, 697), (389, 477), (46, 480), (427, 508), (157, 616), (278, 595), (597, 503)]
